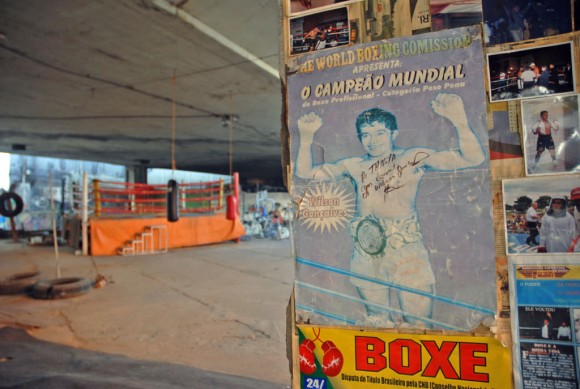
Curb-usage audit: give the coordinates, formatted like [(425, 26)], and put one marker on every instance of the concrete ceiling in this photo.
[(92, 80)]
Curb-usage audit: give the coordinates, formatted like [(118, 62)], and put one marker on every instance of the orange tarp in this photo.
[(107, 235)]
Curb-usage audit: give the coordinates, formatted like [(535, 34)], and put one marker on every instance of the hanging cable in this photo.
[(173, 125), (231, 144), (172, 200)]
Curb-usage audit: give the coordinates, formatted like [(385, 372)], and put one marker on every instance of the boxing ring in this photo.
[(121, 215)]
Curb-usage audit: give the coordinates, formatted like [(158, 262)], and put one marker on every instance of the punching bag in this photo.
[(172, 201), (232, 207)]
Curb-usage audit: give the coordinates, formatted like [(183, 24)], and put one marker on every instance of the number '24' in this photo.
[(315, 383)]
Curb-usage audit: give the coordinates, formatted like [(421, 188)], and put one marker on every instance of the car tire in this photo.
[(5, 199), (19, 283), (62, 288)]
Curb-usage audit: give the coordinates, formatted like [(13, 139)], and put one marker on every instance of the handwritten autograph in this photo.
[(384, 179)]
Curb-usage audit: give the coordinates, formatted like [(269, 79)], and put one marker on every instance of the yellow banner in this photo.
[(548, 272), (337, 358)]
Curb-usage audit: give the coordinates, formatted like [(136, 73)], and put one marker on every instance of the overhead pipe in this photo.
[(215, 35)]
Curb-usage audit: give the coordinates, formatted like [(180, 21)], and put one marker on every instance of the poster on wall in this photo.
[(530, 73), (391, 184), (519, 20), (542, 214), (319, 31), (386, 19), (447, 14), (336, 358), (545, 306), (551, 129)]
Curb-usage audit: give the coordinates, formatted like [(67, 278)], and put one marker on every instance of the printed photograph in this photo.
[(305, 6), (319, 31), (544, 323), (447, 14), (529, 73), (542, 214), (509, 21), (551, 135)]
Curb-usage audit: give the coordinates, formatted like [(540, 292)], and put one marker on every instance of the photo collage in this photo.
[(509, 68)]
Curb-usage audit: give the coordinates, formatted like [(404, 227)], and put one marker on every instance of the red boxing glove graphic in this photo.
[(332, 360), (307, 364)]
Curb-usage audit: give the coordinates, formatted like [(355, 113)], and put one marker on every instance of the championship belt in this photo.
[(370, 236)]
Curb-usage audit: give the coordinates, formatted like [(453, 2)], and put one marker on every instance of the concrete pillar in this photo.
[(136, 174)]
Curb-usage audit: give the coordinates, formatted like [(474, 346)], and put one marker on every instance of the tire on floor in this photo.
[(61, 288), (19, 283)]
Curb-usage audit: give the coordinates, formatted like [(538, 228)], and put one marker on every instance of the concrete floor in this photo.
[(219, 307)]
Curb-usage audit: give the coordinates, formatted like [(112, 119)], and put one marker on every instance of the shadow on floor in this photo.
[(26, 362)]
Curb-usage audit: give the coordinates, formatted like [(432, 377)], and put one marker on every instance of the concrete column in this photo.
[(136, 174)]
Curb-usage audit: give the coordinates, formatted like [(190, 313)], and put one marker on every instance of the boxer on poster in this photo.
[(388, 244)]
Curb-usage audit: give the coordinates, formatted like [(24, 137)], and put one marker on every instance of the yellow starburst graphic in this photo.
[(326, 208)]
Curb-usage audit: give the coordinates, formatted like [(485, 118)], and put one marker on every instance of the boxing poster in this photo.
[(545, 306), (338, 358), (391, 184)]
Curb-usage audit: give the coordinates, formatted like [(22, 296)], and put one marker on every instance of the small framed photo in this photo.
[(551, 135), (542, 214), (297, 7), (531, 73), (320, 31), (520, 20)]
